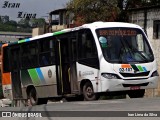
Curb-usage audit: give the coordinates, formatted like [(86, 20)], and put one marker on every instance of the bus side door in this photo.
[(15, 72)]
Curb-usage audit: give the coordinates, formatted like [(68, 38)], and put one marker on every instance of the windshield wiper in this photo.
[(144, 57)]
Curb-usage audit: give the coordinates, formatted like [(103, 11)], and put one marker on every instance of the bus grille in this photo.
[(143, 74), (130, 85)]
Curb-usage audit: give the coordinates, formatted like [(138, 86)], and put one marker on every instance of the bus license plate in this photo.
[(135, 88)]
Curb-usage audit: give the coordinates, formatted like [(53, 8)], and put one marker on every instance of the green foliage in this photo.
[(7, 27), (40, 22), (12, 23), (5, 19), (93, 10), (86, 11), (23, 25)]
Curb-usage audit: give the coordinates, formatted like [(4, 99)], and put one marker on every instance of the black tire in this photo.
[(34, 100), (136, 93), (88, 92)]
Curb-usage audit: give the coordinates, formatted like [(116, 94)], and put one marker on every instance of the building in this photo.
[(6, 37), (149, 19), (58, 20)]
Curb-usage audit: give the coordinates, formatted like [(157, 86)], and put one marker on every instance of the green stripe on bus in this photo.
[(135, 67), (13, 43), (140, 68), (58, 33), (34, 76), (21, 41), (26, 79)]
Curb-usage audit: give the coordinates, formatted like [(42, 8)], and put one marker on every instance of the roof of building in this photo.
[(6, 37), (15, 33), (56, 12)]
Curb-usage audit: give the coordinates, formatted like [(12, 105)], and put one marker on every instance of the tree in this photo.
[(12, 23), (0, 19), (41, 22), (4, 19), (86, 11), (93, 10), (23, 26), (24, 23), (37, 22)]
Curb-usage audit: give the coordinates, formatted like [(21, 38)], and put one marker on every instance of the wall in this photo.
[(138, 17), (37, 31)]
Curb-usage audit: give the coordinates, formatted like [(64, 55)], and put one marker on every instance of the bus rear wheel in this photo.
[(88, 92), (34, 100), (136, 93)]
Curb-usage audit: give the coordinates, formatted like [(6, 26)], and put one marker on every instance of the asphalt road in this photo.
[(119, 109)]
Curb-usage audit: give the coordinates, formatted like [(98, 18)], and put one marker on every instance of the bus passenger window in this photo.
[(46, 52), (25, 56), (44, 59), (33, 54)]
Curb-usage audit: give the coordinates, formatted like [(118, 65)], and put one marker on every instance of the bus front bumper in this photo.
[(123, 85)]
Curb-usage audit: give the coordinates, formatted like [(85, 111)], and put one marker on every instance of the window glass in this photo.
[(87, 50), (123, 45), (6, 67), (29, 55), (33, 51), (87, 47), (25, 56), (156, 29), (46, 52)]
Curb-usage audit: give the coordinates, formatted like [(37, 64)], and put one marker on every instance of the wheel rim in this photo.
[(89, 92)]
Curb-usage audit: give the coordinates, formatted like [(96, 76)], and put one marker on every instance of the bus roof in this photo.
[(100, 24), (93, 25)]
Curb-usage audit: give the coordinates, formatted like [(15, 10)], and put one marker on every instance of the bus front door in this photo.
[(67, 75)]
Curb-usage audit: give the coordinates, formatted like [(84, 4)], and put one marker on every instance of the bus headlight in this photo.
[(110, 76), (155, 73)]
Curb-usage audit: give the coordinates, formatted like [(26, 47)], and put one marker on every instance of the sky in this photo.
[(39, 7)]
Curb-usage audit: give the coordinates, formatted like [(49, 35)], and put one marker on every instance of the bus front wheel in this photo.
[(136, 93), (88, 92)]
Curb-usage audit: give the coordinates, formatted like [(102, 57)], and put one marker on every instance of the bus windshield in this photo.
[(124, 45)]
